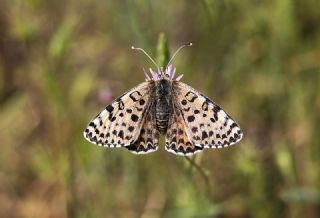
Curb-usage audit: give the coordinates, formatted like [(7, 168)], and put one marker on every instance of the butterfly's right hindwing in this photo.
[(120, 123), (177, 141)]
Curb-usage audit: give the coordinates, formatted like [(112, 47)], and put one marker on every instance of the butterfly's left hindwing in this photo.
[(207, 125), (148, 139), (120, 123)]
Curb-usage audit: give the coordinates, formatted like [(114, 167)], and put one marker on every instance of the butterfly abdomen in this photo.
[(163, 105), (162, 120)]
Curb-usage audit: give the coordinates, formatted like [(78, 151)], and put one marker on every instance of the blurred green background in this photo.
[(61, 62)]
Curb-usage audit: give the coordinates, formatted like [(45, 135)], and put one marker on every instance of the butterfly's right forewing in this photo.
[(120, 123), (207, 124)]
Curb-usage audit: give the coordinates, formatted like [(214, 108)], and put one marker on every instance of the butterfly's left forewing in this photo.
[(207, 125), (120, 123)]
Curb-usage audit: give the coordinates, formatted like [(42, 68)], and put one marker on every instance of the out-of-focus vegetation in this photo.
[(61, 62)]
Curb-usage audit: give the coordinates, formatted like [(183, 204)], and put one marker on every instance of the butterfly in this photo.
[(162, 105)]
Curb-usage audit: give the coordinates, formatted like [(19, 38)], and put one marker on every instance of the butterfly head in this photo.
[(169, 71), (167, 74)]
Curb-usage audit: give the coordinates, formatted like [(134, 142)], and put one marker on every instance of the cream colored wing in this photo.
[(120, 123), (207, 124)]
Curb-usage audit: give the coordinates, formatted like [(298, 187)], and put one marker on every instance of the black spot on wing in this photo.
[(142, 131), (215, 115), (194, 129), (191, 97), (216, 108), (120, 134), (89, 135), (142, 102), (134, 118), (204, 135), (92, 124), (236, 136), (109, 108), (121, 105), (184, 102), (205, 106), (135, 95), (191, 118), (233, 125), (226, 121), (174, 139), (181, 141), (94, 139), (187, 109)]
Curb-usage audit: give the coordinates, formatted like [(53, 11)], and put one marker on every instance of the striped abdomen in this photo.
[(162, 120), (163, 105)]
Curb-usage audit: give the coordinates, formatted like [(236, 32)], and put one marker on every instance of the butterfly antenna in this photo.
[(140, 49), (181, 47)]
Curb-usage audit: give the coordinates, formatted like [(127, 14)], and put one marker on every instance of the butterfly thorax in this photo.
[(163, 104)]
